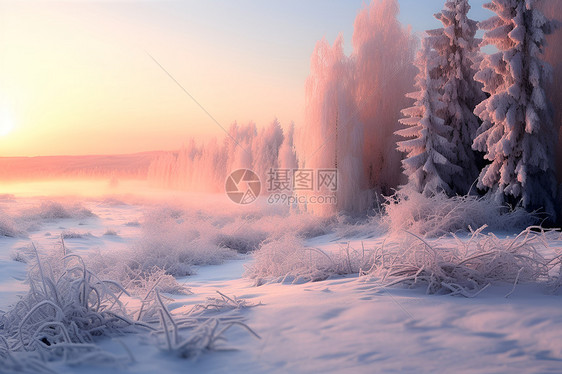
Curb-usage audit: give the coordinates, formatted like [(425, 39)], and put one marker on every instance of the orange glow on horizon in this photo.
[(79, 81)]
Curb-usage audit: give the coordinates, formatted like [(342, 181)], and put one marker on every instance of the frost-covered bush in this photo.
[(241, 242), (456, 266), (175, 243), (111, 232), (204, 325), (23, 254), (467, 266), (288, 259), (8, 226), (357, 227), (19, 222), (69, 308), (439, 215), (53, 210), (171, 241), (254, 230), (69, 234), (66, 308), (275, 226)]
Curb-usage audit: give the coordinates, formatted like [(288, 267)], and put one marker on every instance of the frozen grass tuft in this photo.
[(111, 232), (454, 266), (289, 260), (69, 234), (468, 267), (53, 210), (18, 223), (175, 243), (23, 254), (241, 241), (440, 215), (68, 308), (9, 227), (176, 240), (197, 333)]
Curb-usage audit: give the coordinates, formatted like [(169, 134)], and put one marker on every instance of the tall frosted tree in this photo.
[(553, 55), (333, 135), (458, 51), (287, 155), (429, 149), (517, 133), (383, 51)]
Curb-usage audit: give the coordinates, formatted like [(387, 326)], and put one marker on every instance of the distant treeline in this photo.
[(131, 166)]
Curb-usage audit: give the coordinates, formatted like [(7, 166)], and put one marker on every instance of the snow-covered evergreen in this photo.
[(517, 134), (442, 122), (429, 150), (458, 49), (553, 55)]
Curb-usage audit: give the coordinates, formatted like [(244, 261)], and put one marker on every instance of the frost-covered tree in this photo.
[(265, 149), (332, 137), (287, 155), (353, 105), (553, 55), (517, 133), (458, 50), (204, 167), (383, 51), (429, 150)]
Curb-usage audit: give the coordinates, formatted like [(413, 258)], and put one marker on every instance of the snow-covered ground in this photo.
[(339, 325)]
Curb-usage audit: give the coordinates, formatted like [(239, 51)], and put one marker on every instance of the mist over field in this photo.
[(408, 220)]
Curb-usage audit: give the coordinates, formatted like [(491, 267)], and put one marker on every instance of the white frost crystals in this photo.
[(517, 134), (68, 308), (441, 124)]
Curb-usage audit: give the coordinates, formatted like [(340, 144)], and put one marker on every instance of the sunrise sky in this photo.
[(75, 77)]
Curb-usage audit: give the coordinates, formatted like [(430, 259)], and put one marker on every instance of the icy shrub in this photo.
[(175, 247), (75, 235), (8, 227), (68, 307), (53, 210), (205, 333), (438, 215), (288, 259), (354, 227), (241, 242), (465, 267), (171, 241), (22, 254), (276, 226), (110, 232)]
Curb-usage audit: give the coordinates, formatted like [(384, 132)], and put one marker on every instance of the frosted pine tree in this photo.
[(517, 134), (429, 150), (458, 49), (553, 55)]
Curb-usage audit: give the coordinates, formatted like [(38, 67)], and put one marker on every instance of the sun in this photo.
[(6, 123)]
